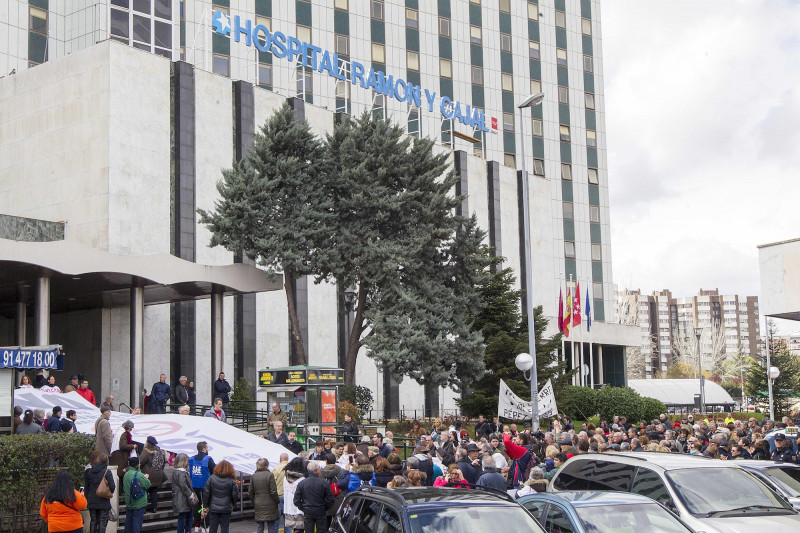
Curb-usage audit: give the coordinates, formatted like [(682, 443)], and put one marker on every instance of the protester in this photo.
[(39, 381), (38, 417), (25, 382), (314, 497), (222, 389), (28, 424), (160, 393), (415, 478), (102, 429), (62, 505), (72, 386), (217, 411), (277, 415), (201, 466), (86, 392), (180, 394), (416, 432), (192, 395), (280, 474), (294, 446), (125, 447), (220, 492), (295, 476), (53, 423), (151, 462), (109, 401), (383, 472), (278, 436), (184, 410), (338, 479), (535, 483), (183, 497), (491, 477), (98, 503), (453, 475), (263, 492), (17, 419), (51, 386), (350, 429), (135, 504), (72, 417)]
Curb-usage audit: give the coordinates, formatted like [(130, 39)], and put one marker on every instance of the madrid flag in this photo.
[(576, 309)]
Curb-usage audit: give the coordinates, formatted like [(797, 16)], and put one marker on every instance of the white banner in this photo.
[(175, 433), (511, 406)]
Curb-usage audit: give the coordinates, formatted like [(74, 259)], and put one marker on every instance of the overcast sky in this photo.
[(703, 129)]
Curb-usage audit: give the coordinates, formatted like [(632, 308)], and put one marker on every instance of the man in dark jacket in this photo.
[(159, 395), (294, 446), (278, 436), (482, 428), (491, 477), (333, 473), (181, 393), (314, 498), (425, 464), (39, 381), (350, 428), (463, 462), (221, 389), (54, 422)]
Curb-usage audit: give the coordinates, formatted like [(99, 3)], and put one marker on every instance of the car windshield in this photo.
[(712, 490), (639, 518), (475, 518), (788, 478)]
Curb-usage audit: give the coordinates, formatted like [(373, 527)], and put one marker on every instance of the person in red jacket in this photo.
[(520, 452), (86, 392)]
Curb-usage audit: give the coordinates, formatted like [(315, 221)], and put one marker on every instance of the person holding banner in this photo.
[(521, 455)]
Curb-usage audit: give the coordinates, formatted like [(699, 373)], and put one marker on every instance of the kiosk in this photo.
[(308, 395)]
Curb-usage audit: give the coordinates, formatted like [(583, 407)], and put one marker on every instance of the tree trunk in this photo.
[(354, 344), (297, 337)]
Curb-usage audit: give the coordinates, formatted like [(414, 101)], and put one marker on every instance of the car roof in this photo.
[(430, 496), (667, 461), (591, 498), (763, 465)]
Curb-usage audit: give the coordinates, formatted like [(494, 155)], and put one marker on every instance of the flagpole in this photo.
[(589, 331), (580, 344), (572, 338)]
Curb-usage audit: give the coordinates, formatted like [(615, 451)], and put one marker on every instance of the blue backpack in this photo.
[(136, 490), (198, 470)]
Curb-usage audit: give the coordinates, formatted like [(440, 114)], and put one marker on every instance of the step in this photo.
[(170, 524)]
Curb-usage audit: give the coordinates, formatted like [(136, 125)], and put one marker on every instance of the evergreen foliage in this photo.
[(242, 397), (578, 403), (357, 395), (784, 388)]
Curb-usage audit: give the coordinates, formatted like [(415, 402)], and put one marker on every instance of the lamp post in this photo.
[(532, 100), (697, 333), (770, 377)]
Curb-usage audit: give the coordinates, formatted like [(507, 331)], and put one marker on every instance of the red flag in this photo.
[(576, 306), (568, 313), (560, 311)]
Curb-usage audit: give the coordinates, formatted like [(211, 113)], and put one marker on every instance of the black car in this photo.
[(430, 510)]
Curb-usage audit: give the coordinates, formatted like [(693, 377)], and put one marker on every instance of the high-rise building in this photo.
[(136, 105), (728, 324)]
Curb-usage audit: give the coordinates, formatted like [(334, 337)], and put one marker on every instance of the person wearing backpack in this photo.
[(338, 478), (151, 462), (62, 505), (201, 466), (263, 493), (98, 501), (136, 484), (362, 473)]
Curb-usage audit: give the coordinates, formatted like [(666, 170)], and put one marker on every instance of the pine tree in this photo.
[(272, 206), (785, 387)]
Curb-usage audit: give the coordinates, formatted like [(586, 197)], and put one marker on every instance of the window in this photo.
[(561, 57), (566, 171), (569, 249), (563, 132), (475, 35), (508, 121), (264, 75), (593, 176), (341, 44), (591, 138), (533, 48), (537, 127), (586, 26), (535, 508), (505, 42), (569, 210), (536, 86), (368, 514), (163, 9), (37, 22), (594, 214), (445, 68), (341, 89), (597, 291), (561, 20), (142, 6), (563, 95), (162, 35), (264, 21), (141, 29), (556, 521), (119, 25), (304, 33), (588, 64), (221, 65), (304, 82), (510, 160), (412, 18), (507, 82), (389, 521), (475, 2), (597, 254), (477, 75), (377, 9), (412, 60), (444, 27), (538, 167), (533, 11), (340, 4), (378, 53), (505, 6), (589, 99)]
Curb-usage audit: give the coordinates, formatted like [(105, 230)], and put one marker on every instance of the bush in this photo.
[(478, 404), (578, 403), (651, 408), (356, 395), (347, 408), (28, 464), (622, 401), (242, 397)]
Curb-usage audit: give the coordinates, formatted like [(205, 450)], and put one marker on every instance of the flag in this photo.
[(568, 313), (576, 309), (560, 311), (588, 309)]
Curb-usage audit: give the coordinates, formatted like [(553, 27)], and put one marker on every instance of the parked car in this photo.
[(596, 511), (709, 495), (430, 510), (784, 478)]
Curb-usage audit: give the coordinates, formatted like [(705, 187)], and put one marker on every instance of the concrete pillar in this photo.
[(600, 378), (42, 311), (137, 345), (22, 324), (216, 337)]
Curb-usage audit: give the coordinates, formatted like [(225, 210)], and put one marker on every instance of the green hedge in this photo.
[(624, 401), (28, 464), (578, 403)]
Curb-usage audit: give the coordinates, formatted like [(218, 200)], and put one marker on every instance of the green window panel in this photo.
[(569, 230), (478, 98), (533, 30), (594, 232), (183, 33), (506, 62), (446, 87), (445, 47), (475, 14), (536, 69), (559, 4), (591, 120), (563, 114), (594, 194), (413, 4), (566, 191), (508, 102), (444, 8), (220, 44), (41, 4), (264, 7), (536, 111), (586, 9), (561, 38), (588, 82), (597, 271), (341, 22), (505, 23), (378, 66), (566, 152), (412, 76), (538, 148), (303, 12), (37, 47), (476, 54), (223, 3), (591, 157), (378, 28), (265, 57), (509, 142), (563, 76), (412, 39), (570, 268), (587, 44), (599, 310)]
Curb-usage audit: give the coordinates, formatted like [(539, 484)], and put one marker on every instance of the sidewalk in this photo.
[(242, 526)]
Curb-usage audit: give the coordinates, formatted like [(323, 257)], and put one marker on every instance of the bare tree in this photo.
[(639, 358), (711, 346)]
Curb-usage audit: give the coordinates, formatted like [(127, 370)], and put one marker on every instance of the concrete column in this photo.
[(137, 345), (42, 311), (600, 377), (216, 336)]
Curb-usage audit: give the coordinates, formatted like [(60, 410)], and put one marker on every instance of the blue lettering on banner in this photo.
[(290, 47)]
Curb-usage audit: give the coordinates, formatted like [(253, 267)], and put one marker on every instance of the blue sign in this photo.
[(39, 357), (290, 48)]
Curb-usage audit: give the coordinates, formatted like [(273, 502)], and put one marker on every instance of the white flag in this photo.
[(511, 406)]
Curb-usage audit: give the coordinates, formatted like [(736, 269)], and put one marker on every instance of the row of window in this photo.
[(561, 22), (594, 214)]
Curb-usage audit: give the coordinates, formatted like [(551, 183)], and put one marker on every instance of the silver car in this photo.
[(784, 478)]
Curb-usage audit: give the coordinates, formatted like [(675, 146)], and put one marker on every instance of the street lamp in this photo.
[(772, 375), (697, 333), (532, 100)]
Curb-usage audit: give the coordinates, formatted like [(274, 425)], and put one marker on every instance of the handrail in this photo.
[(130, 409)]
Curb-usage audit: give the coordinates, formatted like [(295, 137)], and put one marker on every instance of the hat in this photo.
[(127, 425), (780, 436), (374, 449), (472, 447), (615, 447), (73, 377), (105, 408), (152, 440), (494, 436), (134, 462), (319, 443)]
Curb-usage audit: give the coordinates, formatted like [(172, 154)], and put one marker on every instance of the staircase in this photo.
[(167, 520)]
